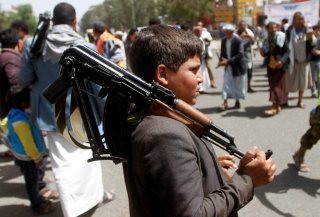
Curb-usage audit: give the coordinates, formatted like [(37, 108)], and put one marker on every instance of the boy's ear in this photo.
[(161, 75), (74, 24)]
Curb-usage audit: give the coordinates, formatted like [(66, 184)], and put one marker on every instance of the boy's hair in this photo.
[(270, 23), (20, 25), (187, 26), (63, 13), (9, 38), (98, 26), (18, 97), (162, 44), (154, 21), (132, 31)]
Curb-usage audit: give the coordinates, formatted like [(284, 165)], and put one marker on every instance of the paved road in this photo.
[(291, 194)]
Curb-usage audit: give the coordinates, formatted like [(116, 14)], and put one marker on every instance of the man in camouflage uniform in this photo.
[(310, 138)]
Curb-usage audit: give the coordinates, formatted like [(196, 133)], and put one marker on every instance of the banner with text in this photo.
[(310, 10)]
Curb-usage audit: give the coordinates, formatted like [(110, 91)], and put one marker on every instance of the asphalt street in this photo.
[(292, 194)]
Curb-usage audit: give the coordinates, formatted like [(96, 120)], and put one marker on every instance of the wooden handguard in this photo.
[(184, 113)]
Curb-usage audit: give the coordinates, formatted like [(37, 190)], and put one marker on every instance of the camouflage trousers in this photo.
[(312, 135)]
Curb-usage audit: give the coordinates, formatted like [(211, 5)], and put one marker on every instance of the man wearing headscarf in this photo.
[(78, 191), (232, 58), (300, 47)]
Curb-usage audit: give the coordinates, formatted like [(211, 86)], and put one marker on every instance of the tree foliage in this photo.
[(21, 12), (182, 10), (124, 14), (118, 13), (2, 19)]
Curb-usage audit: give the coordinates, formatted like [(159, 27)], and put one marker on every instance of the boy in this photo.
[(9, 68), (172, 172), (27, 146)]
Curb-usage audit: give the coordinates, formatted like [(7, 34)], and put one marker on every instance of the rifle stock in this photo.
[(123, 89)]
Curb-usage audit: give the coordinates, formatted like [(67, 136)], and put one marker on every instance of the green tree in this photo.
[(2, 19), (21, 12), (178, 11), (118, 13), (114, 13)]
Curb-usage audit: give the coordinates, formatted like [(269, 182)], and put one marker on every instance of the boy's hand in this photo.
[(279, 65), (227, 162), (255, 165), (316, 51), (222, 62), (39, 163)]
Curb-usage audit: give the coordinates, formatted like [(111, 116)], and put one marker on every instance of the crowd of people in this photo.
[(171, 172), (292, 58), (288, 66), (24, 122)]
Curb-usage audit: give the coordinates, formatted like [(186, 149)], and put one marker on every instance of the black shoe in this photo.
[(237, 105), (45, 208)]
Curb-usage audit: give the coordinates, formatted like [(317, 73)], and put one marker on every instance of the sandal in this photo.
[(224, 106), (49, 194), (299, 165), (301, 104), (272, 111), (6, 154), (108, 196)]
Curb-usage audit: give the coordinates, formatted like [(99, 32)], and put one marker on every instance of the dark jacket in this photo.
[(9, 68), (237, 61), (281, 53), (174, 173)]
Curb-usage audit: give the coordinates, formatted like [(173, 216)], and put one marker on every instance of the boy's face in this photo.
[(272, 28), (185, 82)]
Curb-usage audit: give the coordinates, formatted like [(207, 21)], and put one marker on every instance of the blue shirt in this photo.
[(39, 74)]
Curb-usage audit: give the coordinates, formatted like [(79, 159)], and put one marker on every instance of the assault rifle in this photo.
[(128, 98), (40, 34)]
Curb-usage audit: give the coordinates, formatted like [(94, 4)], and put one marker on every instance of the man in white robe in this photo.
[(79, 183), (232, 57)]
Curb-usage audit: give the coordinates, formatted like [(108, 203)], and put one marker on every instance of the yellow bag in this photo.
[(272, 62)]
